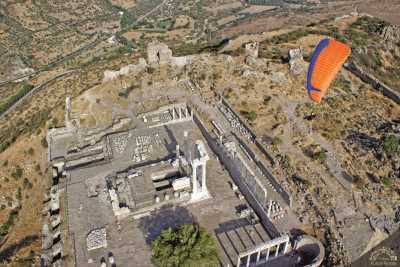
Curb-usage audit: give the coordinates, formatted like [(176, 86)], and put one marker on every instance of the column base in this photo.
[(199, 196)]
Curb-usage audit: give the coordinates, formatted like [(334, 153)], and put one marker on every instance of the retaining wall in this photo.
[(285, 195), (252, 133), (376, 84)]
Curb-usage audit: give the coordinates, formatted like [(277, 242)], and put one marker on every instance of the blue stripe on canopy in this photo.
[(317, 52)]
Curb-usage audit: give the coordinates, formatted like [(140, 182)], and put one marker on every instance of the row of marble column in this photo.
[(186, 113), (286, 244)]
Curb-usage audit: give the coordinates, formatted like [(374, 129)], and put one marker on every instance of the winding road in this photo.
[(36, 88), (152, 11)]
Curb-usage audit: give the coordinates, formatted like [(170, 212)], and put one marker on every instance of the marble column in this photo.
[(203, 177), (267, 256), (277, 250), (258, 255), (194, 179), (286, 247), (269, 208), (265, 197)]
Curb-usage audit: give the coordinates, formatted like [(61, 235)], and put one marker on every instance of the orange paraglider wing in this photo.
[(328, 58)]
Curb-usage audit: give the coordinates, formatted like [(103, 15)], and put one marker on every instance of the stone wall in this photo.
[(375, 83), (284, 194), (264, 170), (225, 102), (253, 135), (132, 68), (159, 54)]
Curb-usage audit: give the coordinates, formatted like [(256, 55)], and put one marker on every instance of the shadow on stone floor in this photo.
[(163, 218)]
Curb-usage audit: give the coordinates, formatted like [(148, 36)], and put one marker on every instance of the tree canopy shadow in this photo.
[(163, 218)]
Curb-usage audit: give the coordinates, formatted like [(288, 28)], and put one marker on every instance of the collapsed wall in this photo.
[(132, 68), (158, 54)]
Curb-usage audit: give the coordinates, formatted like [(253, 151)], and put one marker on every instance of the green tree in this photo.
[(127, 20), (252, 116), (320, 156), (17, 173), (188, 245), (44, 142), (31, 151)]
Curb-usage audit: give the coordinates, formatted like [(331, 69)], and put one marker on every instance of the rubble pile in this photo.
[(391, 33), (364, 141), (336, 254), (385, 223), (390, 127), (315, 207), (249, 73), (143, 149), (119, 143), (235, 122)]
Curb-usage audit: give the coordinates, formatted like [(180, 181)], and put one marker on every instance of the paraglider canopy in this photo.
[(328, 58)]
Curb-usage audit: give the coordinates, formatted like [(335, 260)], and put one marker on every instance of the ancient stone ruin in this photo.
[(158, 54), (251, 52), (296, 61)]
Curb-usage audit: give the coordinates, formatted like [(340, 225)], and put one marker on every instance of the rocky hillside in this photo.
[(340, 159)]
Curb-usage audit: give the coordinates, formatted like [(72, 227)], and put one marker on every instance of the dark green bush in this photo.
[(188, 245), (18, 172), (391, 145)]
